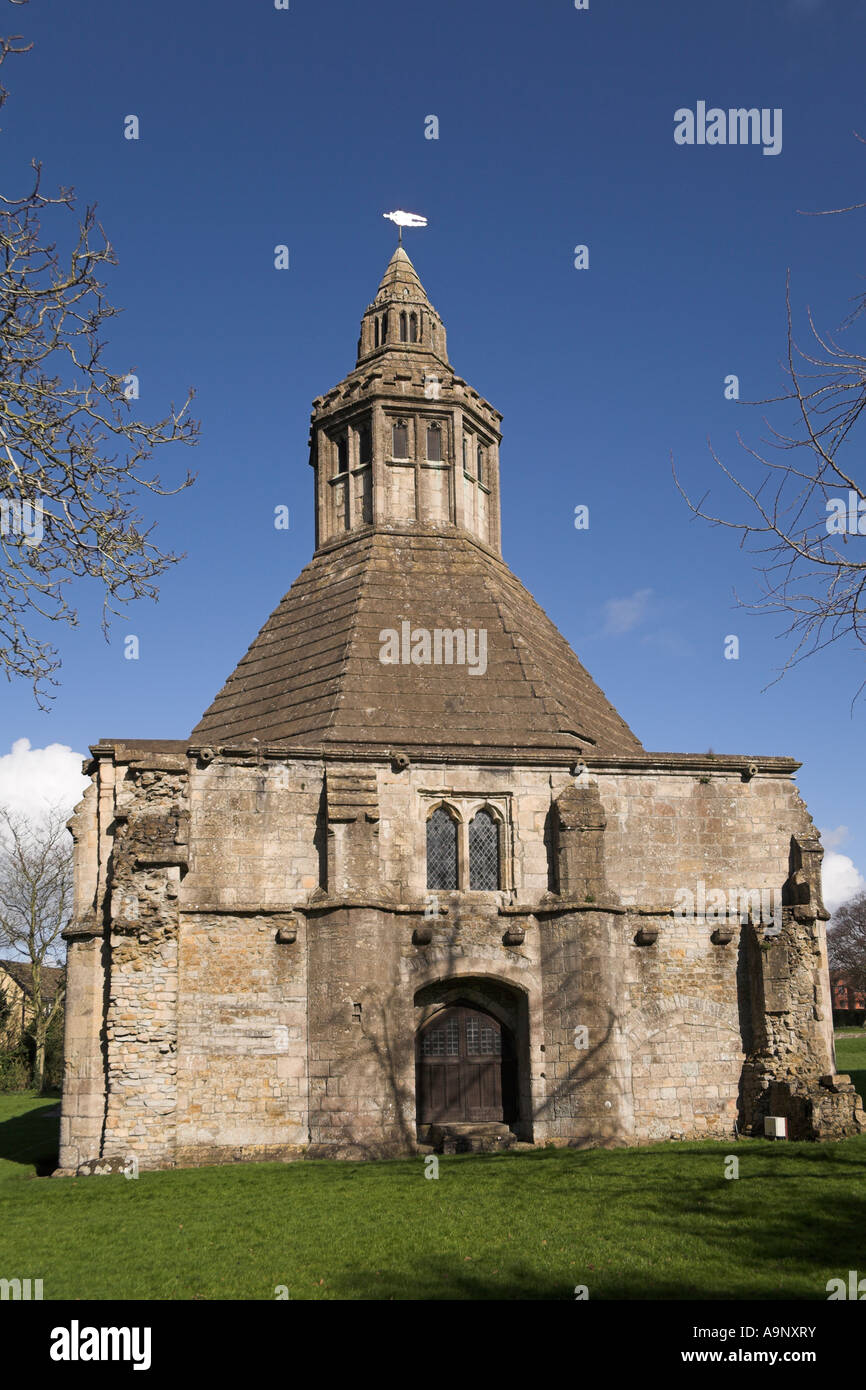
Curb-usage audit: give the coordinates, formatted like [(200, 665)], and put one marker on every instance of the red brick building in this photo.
[(849, 1004)]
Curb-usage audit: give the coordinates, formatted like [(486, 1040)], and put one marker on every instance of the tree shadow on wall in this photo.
[(392, 1045)]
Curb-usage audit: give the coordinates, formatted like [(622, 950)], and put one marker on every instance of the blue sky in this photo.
[(302, 127)]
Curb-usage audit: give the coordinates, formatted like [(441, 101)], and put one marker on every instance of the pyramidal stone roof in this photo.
[(400, 271), (315, 674), (407, 629)]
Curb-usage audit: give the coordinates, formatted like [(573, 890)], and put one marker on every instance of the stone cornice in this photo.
[(175, 755)]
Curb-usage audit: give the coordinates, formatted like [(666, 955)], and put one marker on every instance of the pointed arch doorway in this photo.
[(465, 1068)]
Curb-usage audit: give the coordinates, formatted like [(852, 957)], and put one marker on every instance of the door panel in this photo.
[(464, 1068)]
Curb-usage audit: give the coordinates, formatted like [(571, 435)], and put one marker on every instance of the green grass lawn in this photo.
[(851, 1057), (658, 1222)]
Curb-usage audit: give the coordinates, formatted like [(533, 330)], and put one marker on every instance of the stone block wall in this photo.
[(242, 1037), (255, 946)]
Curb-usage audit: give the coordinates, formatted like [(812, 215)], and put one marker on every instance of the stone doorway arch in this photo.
[(472, 1055)]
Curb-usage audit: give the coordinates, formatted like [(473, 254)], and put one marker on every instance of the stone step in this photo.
[(479, 1138)]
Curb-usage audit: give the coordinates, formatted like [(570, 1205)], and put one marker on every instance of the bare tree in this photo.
[(35, 906), (846, 941), (73, 459), (807, 503)]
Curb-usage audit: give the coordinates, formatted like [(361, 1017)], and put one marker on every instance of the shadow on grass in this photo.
[(859, 1080), (754, 1238), (32, 1139), (439, 1281)]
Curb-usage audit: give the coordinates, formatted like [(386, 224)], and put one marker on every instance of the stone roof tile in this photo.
[(313, 676)]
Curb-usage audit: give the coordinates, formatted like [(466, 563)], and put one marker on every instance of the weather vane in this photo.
[(405, 219)]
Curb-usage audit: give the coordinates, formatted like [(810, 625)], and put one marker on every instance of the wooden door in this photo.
[(464, 1068)]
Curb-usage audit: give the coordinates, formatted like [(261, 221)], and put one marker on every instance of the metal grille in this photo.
[(482, 1041), (441, 851), (434, 444), (441, 1042), (483, 851)]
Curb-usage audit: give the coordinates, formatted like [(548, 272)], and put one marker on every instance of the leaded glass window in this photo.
[(481, 1039), (483, 851), (441, 850), (441, 1042), (400, 440)]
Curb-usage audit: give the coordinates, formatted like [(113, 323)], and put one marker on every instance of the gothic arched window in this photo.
[(413, 328), (404, 333), (479, 463), (441, 850), (466, 453), (400, 440), (483, 851), (385, 327), (342, 454), (376, 325), (434, 444)]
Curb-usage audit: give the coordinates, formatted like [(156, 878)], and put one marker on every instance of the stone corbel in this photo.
[(287, 930), (646, 936)]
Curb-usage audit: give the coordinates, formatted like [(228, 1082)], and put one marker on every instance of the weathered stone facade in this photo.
[(259, 945)]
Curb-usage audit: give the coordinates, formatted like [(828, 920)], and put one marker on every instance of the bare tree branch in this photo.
[(846, 942), (73, 457), (805, 503), (35, 906)]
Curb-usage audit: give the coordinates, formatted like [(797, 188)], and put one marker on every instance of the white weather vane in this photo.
[(405, 219)]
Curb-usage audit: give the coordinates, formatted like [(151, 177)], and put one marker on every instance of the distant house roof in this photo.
[(22, 973)]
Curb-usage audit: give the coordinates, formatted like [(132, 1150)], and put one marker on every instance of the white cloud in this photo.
[(841, 879), (832, 839), (622, 614), (34, 779)]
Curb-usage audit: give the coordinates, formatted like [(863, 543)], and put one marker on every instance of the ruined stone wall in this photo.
[(705, 1009), (242, 1037), (256, 852), (252, 833), (84, 1080), (672, 830), (255, 947), (150, 849), (361, 1037)]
